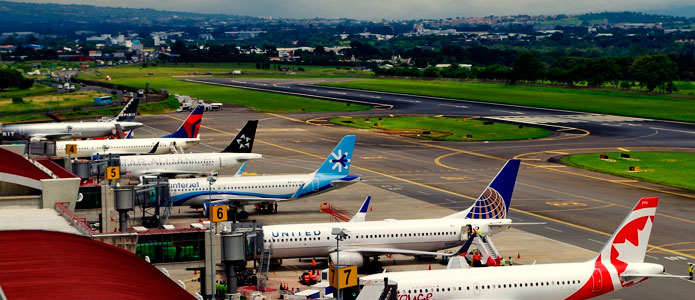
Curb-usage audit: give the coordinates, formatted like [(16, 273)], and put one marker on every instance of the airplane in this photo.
[(618, 265), (238, 151), (183, 138), (68, 130), (418, 237), (238, 190)]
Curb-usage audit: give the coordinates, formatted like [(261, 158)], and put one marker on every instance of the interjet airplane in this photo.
[(410, 237), (69, 130), (238, 151), (619, 264), (183, 138), (238, 191)]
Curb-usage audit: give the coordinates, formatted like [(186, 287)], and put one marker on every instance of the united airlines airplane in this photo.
[(185, 137), (68, 130), (244, 190), (618, 265), (409, 237), (238, 151)]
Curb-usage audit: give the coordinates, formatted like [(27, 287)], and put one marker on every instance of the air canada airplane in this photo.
[(238, 151), (70, 130), (410, 237), (183, 138), (618, 265), (238, 190)]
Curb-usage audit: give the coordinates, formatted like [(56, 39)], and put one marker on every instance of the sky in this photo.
[(387, 9)]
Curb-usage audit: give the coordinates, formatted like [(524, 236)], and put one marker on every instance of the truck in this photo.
[(103, 101)]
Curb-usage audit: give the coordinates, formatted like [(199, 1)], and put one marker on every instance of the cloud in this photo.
[(386, 9)]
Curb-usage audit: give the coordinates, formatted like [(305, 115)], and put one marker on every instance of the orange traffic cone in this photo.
[(518, 255), (370, 208), (179, 210), (200, 220), (112, 220), (430, 267), (195, 272)]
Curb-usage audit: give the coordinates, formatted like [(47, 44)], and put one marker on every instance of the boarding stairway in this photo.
[(264, 268), (486, 247), (337, 214)]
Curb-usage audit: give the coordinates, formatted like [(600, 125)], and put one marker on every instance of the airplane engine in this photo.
[(348, 258)]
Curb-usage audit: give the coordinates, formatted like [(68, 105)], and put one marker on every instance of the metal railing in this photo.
[(79, 222)]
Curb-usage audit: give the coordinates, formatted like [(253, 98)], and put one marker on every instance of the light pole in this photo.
[(211, 179), (340, 234)]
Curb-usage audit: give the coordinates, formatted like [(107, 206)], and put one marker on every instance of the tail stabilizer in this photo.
[(129, 111), (338, 162), (494, 202), (190, 126), (129, 135), (629, 242), (241, 170), (361, 214), (243, 142)]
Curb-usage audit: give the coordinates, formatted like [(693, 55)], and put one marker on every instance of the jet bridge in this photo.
[(381, 289)]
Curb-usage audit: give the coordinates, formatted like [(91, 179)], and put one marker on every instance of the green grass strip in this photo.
[(445, 129), (668, 168), (595, 101)]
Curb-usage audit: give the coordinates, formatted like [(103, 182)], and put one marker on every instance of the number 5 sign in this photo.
[(218, 213), (113, 173)]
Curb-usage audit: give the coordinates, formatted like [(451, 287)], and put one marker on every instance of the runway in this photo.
[(581, 208)]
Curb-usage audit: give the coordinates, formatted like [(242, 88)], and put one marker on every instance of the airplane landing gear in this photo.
[(267, 208)]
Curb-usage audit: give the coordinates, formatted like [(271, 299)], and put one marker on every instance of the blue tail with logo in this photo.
[(494, 202), (338, 162), (191, 126)]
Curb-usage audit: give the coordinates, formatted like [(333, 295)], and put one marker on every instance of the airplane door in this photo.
[(476, 291), (597, 281)]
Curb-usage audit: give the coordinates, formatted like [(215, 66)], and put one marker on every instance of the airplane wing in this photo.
[(244, 200), (168, 173), (377, 251), (50, 136)]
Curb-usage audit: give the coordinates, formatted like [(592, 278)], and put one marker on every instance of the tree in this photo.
[(653, 70), (598, 71), (528, 68), (10, 79)]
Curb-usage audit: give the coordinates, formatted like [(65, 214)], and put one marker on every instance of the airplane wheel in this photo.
[(243, 215)]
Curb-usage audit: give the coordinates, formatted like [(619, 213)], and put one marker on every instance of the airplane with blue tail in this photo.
[(238, 191), (419, 237)]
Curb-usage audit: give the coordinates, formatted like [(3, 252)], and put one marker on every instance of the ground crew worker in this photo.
[(510, 261), (690, 270), (503, 262)]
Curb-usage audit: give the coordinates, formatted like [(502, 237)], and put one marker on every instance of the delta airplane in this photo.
[(238, 190), (185, 137), (618, 265), (68, 130), (238, 151), (409, 237)]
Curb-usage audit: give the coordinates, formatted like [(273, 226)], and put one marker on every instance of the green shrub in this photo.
[(17, 100)]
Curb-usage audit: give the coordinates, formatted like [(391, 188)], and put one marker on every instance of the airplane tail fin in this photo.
[(361, 214), (129, 135), (191, 126), (494, 202), (338, 162), (629, 242), (243, 142), (129, 111)]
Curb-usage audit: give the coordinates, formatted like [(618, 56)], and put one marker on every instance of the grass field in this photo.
[(247, 70), (46, 102), (445, 129), (667, 168), (260, 101), (36, 89), (168, 105), (595, 101)]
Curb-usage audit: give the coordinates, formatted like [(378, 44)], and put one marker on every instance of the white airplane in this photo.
[(67, 130), (409, 237), (238, 191), (238, 151), (619, 264), (185, 137)]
